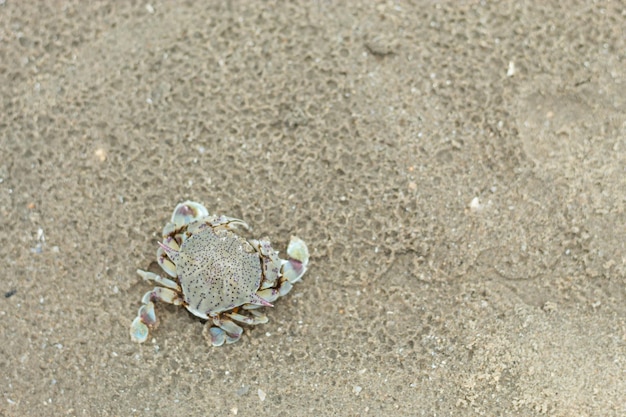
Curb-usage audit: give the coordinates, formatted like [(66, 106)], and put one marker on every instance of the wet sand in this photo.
[(457, 170)]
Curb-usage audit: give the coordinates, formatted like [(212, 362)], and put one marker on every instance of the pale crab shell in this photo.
[(217, 274), (217, 271)]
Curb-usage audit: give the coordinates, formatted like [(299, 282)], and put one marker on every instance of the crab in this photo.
[(216, 274)]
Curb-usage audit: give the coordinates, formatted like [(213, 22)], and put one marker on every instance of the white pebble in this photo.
[(261, 394), (511, 70), (475, 204)]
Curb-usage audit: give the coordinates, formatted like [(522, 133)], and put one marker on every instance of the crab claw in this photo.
[(187, 212), (296, 265)]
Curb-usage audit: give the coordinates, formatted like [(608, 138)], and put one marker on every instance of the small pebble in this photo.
[(475, 205), (261, 394)]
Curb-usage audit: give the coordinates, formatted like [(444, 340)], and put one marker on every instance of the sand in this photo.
[(456, 168)]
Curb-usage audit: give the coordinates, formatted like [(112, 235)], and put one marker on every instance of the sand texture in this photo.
[(458, 170)]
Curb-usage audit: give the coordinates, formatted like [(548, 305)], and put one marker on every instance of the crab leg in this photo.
[(268, 295), (271, 262), (285, 287), (227, 222), (164, 261), (229, 332), (146, 317), (217, 335), (167, 265), (166, 282), (257, 319), (162, 294), (226, 331)]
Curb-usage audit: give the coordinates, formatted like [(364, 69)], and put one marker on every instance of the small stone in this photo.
[(549, 307), (262, 394), (475, 205), (101, 154), (511, 70)]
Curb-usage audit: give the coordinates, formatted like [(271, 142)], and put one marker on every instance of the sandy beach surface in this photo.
[(458, 170)]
